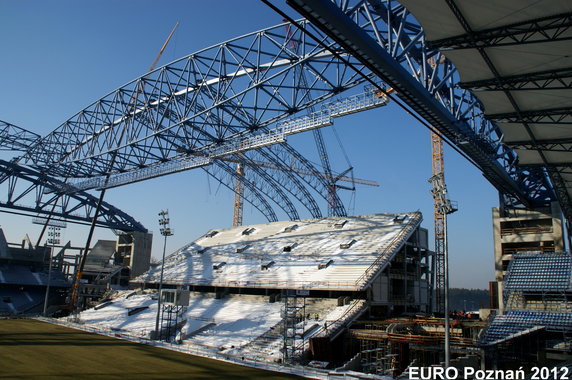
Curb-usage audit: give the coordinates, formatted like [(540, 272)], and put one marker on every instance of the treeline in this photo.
[(468, 299)]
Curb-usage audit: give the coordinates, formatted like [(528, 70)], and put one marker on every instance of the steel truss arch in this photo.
[(244, 86), (282, 177), (13, 138), (269, 184), (388, 39), (227, 176), (246, 83), (161, 119), (23, 183)]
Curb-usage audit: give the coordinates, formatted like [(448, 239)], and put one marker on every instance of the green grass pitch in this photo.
[(32, 349)]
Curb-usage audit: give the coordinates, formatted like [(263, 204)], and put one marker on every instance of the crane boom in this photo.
[(79, 270)]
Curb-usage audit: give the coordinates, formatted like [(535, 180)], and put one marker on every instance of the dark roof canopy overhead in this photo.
[(516, 57)]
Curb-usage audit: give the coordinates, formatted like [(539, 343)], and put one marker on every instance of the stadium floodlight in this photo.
[(53, 240), (165, 231)]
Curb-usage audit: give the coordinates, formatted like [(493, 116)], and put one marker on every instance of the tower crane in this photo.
[(239, 187), (238, 196), (79, 270), (331, 177), (442, 206)]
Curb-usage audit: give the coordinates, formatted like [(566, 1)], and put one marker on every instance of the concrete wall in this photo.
[(524, 230), (404, 282), (135, 250)]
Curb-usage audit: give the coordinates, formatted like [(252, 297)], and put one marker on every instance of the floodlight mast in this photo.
[(165, 231), (53, 239)]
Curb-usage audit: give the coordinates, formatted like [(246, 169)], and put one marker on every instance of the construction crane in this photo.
[(239, 187), (238, 197), (442, 206), (331, 178), (79, 270)]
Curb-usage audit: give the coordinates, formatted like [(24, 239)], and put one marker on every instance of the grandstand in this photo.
[(24, 275), (261, 290), (318, 254), (538, 309)]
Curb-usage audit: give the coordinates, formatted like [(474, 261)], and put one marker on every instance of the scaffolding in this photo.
[(375, 354), (171, 318), (294, 317)]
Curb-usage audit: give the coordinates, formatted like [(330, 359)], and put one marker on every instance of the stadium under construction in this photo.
[(342, 296)]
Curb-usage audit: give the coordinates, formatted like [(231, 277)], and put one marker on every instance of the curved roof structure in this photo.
[(515, 57), (30, 192), (13, 138)]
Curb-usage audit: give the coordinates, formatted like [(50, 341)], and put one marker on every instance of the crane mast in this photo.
[(442, 206), (437, 172), (83, 254), (238, 197)]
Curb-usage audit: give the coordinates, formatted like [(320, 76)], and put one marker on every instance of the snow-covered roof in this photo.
[(322, 254)]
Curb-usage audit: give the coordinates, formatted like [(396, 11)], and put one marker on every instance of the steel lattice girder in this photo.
[(282, 177), (552, 28), (206, 127), (14, 138), (426, 81), (23, 183), (243, 86), (560, 79)]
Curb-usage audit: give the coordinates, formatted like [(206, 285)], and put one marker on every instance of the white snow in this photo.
[(237, 320), (316, 241), (231, 323)]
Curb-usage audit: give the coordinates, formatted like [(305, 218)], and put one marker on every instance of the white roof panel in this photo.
[(498, 55)]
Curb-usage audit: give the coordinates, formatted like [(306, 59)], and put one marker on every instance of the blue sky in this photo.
[(60, 56)]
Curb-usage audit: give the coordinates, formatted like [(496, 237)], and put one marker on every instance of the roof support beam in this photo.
[(555, 145), (330, 19), (551, 80), (556, 179), (552, 167), (551, 28), (545, 116)]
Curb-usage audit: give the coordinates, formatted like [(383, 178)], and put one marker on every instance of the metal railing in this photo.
[(388, 253), (525, 230), (194, 350)]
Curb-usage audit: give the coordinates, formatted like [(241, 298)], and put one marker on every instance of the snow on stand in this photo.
[(243, 308)]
